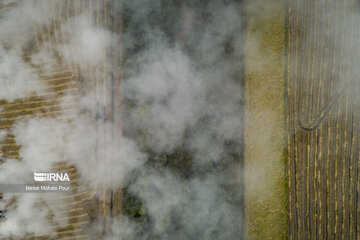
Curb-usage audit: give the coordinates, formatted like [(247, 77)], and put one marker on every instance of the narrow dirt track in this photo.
[(323, 119)]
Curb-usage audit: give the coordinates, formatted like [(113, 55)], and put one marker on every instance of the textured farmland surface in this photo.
[(265, 133), (323, 119), (81, 207)]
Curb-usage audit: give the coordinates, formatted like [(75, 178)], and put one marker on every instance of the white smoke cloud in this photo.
[(190, 203), (183, 100), (178, 92), (17, 24), (14, 171), (26, 218), (172, 94), (17, 79), (45, 141), (3, 132), (88, 43)]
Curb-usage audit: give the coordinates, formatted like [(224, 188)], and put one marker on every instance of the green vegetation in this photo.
[(266, 215)]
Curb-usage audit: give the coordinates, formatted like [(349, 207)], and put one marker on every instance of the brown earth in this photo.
[(322, 119)]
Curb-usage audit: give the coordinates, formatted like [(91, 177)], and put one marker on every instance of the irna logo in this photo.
[(51, 177)]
